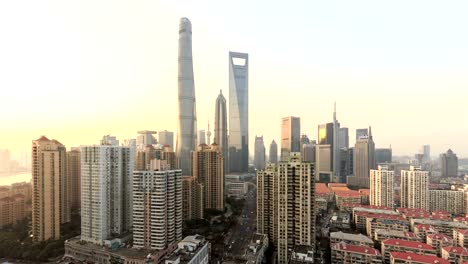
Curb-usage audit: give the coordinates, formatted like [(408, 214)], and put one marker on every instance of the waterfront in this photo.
[(13, 178)]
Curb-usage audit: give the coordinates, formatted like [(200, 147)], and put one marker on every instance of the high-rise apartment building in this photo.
[(50, 201), (273, 157), (290, 136), (192, 196), (105, 194), (238, 112), (364, 160), (187, 129), (449, 164), (157, 207), (267, 202), (259, 153), (208, 168), (74, 176), (296, 199), (12, 209), (382, 187), (415, 188), (159, 152), (221, 128), (166, 138), (451, 201)]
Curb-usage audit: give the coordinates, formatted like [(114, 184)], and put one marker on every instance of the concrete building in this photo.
[(302, 254), (238, 112), (201, 136), (361, 133), (308, 152), (460, 237), (343, 138), (150, 152), (364, 160), (50, 201), (383, 155), (413, 258), (106, 198), (441, 226), (12, 209), (290, 136), (221, 128), (237, 189), (439, 241), (267, 202), (257, 247), (259, 154), (399, 245), (455, 255), (382, 188), (351, 239), (449, 164), (166, 138), (383, 234), (191, 250), (323, 163), (187, 129), (447, 200), (74, 177), (145, 137), (24, 188), (208, 169), (415, 188), (426, 150), (192, 197), (296, 212), (353, 254), (273, 157), (157, 207)]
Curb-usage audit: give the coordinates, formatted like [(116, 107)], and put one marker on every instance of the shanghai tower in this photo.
[(187, 130)]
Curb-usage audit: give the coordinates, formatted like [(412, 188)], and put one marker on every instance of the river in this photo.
[(13, 178)]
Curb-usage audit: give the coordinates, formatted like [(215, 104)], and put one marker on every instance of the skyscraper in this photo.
[(259, 155), (145, 137), (201, 136), (296, 210), (166, 138), (157, 204), (267, 202), (343, 138), (323, 163), (336, 144), (74, 176), (449, 164), (238, 112), (187, 130), (304, 140), (383, 155), (208, 168), (220, 132), (50, 201), (426, 162), (361, 132), (290, 136), (364, 160), (273, 157), (382, 187), (415, 188), (105, 212)]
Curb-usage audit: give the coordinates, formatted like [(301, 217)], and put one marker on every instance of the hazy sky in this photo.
[(76, 70)]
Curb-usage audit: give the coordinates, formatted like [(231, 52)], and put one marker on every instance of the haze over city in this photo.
[(77, 70)]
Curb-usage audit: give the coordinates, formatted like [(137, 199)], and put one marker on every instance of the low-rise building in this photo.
[(387, 222), (442, 226), (438, 241), (255, 253), (351, 239), (347, 197), (413, 258), (422, 230), (236, 189), (301, 254), (460, 237), (321, 204), (352, 254), (399, 245), (455, 254), (191, 250), (382, 234), (365, 194)]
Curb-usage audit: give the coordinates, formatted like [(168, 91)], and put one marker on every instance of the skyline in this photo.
[(127, 57)]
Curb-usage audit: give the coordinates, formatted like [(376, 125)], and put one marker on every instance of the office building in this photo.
[(259, 155), (166, 138), (304, 140), (187, 129), (290, 136), (50, 201), (426, 150), (273, 152), (323, 163), (308, 152), (383, 155), (296, 210), (382, 187), (343, 138), (364, 160), (267, 202), (192, 194), (221, 128), (208, 168), (157, 206), (238, 112), (74, 176), (201, 136), (145, 137), (447, 200), (415, 188), (105, 198), (449, 164), (361, 132)]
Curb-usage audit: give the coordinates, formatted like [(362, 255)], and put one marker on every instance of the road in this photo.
[(240, 235)]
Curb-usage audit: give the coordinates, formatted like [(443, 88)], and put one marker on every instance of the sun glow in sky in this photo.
[(76, 70)]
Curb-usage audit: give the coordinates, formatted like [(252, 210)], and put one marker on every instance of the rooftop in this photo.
[(444, 223), (440, 237), (395, 233), (351, 237), (406, 243), (321, 188), (356, 249), (456, 250), (418, 258)]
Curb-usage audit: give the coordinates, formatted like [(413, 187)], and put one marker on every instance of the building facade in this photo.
[(259, 153), (415, 188), (364, 160), (449, 164), (221, 128), (166, 138), (267, 202), (192, 196), (50, 201), (74, 177), (273, 157), (382, 188), (447, 200), (290, 136)]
